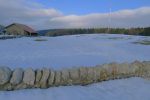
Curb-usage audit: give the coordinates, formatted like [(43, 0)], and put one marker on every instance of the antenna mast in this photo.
[(109, 20)]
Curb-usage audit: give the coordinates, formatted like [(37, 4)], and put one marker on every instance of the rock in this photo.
[(104, 75), (17, 76), (74, 76), (5, 74), (44, 79), (133, 69), (90, 75), (51, 78), (7, 87), (65, 77), (97, 71), (108, 68), (93, 74), (29, 77), (83, 75), (146, 69), (137, 68), (20, 86), (112, 70), (38, 77), (124, 70), (57, 80)]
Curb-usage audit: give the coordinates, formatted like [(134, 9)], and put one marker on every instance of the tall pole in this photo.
[(109, 20)]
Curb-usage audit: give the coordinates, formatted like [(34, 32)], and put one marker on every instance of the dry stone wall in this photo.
[(45, 78)]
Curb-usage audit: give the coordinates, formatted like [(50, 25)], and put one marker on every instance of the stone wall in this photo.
[(45, 78)]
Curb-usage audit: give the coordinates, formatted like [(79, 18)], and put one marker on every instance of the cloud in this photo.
[(39, 17), (123, 18), (23, 11)]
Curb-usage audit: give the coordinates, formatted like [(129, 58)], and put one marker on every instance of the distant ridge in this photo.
[(131, 31)]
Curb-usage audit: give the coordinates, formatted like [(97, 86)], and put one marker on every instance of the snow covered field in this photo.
[(70, 51), (124, 89), (77, 50)]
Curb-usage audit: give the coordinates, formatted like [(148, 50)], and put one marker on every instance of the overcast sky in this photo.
[(49, 14)]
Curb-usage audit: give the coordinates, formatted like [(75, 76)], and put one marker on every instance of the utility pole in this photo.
[(109, 20)]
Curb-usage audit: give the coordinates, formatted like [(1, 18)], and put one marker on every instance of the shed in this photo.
[(20, 29)]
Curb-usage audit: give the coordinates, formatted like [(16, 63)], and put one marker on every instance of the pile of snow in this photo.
[(69, 51), (124, 89)]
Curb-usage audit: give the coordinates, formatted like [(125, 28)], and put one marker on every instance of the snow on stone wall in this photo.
[(45, 78)]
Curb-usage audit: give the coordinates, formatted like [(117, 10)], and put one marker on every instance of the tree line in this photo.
[(130, 31)]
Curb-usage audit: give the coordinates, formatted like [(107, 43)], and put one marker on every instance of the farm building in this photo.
[(20, 29)]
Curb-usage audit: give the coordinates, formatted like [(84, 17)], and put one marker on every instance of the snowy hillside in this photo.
[(69, 51)]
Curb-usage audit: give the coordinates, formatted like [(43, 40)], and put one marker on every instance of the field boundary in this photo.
[(45, 78)]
